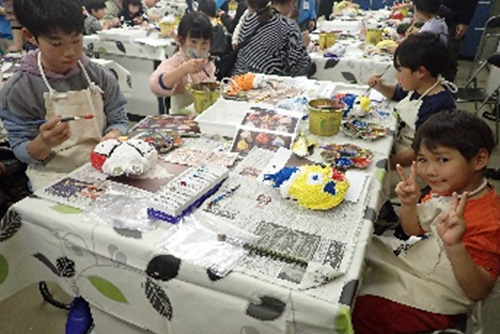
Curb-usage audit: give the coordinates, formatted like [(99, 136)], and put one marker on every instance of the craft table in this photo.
[(354, 64), (140, 54), (134, 286)]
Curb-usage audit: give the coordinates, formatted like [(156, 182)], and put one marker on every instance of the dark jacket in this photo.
[(458, 11)]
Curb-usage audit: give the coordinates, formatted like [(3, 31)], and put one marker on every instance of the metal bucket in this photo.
[(373, 35), (325, 116), (327, 39), (204, 94)]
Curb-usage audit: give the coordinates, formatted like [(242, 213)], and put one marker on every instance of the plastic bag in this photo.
[(197, 240)]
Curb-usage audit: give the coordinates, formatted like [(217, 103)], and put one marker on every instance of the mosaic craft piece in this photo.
[(183, 124), (163, 141), (74, 192), (360, 129), (314, 187), (193, 157), (345, 156), (131, 157)]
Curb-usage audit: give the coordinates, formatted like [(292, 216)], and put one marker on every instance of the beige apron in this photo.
[(85, 134), (416, 272)]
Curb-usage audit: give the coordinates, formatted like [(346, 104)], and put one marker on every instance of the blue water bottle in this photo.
[(79, 319)]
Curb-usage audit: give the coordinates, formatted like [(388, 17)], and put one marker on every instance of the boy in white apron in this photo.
[(419, 60), (54, 82), (452, 258)]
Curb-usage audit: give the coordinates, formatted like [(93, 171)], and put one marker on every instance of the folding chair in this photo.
[(472, 94), (486, 47)]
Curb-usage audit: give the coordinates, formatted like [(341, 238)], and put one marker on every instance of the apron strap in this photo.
[(52, 91)]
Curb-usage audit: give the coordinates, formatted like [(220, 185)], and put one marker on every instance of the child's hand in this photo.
[(374, 81), (407, 189), (306, 38), (195, 65), (451, 225), (54, 132), (112, 134)]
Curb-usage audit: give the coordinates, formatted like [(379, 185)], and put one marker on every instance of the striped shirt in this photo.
[(276, 48)]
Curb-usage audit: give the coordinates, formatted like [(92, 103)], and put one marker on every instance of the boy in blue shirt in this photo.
[(307, 14)]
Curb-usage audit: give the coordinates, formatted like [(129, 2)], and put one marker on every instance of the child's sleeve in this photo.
[(298, 58), (155, 80), (19, 106)]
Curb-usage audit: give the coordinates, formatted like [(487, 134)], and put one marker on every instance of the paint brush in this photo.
[(373, 85), (64, 119)]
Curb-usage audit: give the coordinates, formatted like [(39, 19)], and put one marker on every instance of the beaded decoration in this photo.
[(359, 129), (345, 156), (314, 187), (262, 251)]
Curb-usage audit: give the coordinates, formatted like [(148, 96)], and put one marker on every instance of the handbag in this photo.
[(224, 66)]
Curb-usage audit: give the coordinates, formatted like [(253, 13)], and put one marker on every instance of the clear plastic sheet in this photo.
[(123, 212), (197, 240)]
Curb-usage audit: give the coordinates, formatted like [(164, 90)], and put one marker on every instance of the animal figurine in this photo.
[(360, 107), (313, 186)]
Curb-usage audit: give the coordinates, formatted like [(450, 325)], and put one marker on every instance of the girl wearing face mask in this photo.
[(189, 64)]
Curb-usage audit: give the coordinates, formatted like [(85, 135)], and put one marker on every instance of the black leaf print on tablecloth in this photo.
[(134, 234), (158, 299), (331, 62), (66, 267), (9, 225), (312, 70), (163, 267), (120, 46), (270, 308), (213, 276), (349, 77), (47, 262), (370, 214), (382, 163)]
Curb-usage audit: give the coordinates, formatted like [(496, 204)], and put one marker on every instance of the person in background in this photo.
[(189, 64), (429, 281), (458, 14), (95, 13), (5, 32), (427, 11), (219, 45), (133, 13), (307, 14), (277, 46), (231, 22), (17, 37), (420, 92), (325, 9), (54, 82)]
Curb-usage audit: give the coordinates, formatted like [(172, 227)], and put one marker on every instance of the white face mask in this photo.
[(192, 53)]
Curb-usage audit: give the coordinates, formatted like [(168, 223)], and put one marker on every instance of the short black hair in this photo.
[(427, 6), (456, 129), (423, 49), (137, 3), (43, 17), (195, 25), (207, 7), (94, 5)]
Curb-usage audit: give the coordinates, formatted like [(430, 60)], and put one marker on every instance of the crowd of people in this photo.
[(450, 236)]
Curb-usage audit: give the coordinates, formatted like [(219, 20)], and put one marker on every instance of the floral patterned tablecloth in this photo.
[(127, 275)]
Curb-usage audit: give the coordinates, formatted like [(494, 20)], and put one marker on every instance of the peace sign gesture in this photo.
[(407, 189), (451, 225)]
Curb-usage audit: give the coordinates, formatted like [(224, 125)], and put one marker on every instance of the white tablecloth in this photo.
[(127, 275)]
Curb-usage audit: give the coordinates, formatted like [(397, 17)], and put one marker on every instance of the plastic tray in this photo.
[(222, 118)]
